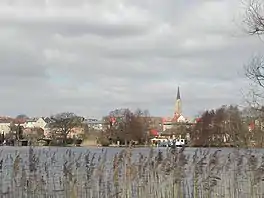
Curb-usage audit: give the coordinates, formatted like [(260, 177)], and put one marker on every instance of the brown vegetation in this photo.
[(126, 126), (254, 25), (33, 133), (197, 174), (63, 123), (219, 127)]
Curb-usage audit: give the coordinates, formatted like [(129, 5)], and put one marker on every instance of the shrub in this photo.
[(104, 141)]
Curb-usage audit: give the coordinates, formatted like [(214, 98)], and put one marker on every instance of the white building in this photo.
[(30, 123), (5, 127), (37, 123), (95, 124), (6, 122)]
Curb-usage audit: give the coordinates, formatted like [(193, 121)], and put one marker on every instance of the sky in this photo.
[(93, 56)]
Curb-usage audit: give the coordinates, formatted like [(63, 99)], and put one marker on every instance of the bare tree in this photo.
[(221, 127), (254, 17), (254, 70), (22, 117), (63, 123), (16, 130), (125, 126), (34, 133), (202, 131), (144, 117), (254, 119), (236, 127)]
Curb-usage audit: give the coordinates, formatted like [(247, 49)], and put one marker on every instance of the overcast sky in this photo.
[(92, 56)]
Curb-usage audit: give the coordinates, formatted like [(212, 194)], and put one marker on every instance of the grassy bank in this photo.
[(203, 173)]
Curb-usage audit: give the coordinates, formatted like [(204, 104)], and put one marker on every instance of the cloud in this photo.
[(90, 56)]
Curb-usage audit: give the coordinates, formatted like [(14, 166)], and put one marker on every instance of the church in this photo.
[(177, 118)]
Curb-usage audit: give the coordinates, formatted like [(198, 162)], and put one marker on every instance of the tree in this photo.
[(34, 133), (254, 118), (86, 129), (253, 18), (16, 130), (236, 127), (254, 70), (144, 117), (22, 117), (201, 135), (221, 127), (12, 131), (125, 126), (20, 131), (63, 123)]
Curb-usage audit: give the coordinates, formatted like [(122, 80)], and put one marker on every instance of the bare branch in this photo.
[(255, 70), (63, 123), (254, 19), (126, 126)]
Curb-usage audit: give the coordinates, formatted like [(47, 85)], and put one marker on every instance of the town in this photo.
[(226, 126), (132, 99)]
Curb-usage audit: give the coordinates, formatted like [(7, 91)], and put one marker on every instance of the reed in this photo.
[(202, 173)]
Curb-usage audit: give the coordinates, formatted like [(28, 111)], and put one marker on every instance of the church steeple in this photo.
[(178, 94), (178, 105)]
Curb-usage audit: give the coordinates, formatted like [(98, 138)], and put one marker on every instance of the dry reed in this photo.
[(202, 173)]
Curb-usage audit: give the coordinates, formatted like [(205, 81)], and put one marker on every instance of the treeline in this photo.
[(125, 127), (120, 125), (225, 126), (229, 126)]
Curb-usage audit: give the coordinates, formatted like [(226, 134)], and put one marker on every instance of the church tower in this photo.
[(178, 105)]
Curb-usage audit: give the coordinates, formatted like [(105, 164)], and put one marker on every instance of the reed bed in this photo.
[(202, 173)]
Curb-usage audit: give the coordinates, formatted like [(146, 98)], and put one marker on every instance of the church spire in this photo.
[(178, 94), (178, 105)]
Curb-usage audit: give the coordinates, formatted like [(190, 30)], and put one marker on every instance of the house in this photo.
[(5, 126), (95, 124), (40, 122), (75, 132), (6, 122), (30, 123)]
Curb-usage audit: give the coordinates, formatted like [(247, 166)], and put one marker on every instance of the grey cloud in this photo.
[(121, 54), (75, 28), (20, 64)]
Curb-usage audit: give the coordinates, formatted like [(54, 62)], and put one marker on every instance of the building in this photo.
[(5, 126), (30, 123), (95, 124), (168, 122), (40, 122), (177, 118), (7, 122)]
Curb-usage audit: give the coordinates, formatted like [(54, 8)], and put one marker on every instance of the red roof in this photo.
[(164, 119), (251, 126), (112, 119), (198, 119), (13, 120), (154, 132), (176, 117)]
